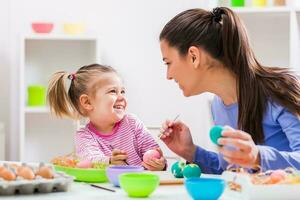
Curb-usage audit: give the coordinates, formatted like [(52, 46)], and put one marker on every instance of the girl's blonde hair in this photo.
[(64, 102)]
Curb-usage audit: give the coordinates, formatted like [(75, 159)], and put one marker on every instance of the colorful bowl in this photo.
[(42, 27), (139, 184), (89, 175), (205, 188), (74, 28), (113, 172)]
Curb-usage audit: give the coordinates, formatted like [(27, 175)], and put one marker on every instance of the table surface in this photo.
[(79, 190)]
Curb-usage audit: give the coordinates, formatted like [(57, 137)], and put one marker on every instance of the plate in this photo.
[(89, 175)]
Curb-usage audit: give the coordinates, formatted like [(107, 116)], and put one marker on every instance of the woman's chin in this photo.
[(185, 93)]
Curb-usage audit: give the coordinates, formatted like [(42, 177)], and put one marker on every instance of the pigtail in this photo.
[(57, 96)]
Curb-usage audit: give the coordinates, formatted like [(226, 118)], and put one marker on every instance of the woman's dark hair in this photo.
[(222, 34)]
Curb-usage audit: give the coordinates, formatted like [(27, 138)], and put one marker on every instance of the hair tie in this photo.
[(217, 14), (72, 76)]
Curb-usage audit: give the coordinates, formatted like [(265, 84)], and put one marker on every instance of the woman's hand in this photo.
[(245, 153), (177, 136), (118, 157), (155, 164)]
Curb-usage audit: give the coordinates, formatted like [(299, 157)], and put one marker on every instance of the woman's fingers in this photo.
[(240, 144), (236, 134), (236, 154), (240, 162)]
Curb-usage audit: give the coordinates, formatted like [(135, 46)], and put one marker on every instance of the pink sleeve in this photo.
[(144, 139), (87, 147)]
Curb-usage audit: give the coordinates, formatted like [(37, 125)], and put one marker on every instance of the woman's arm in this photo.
[(209, 162), (272, 158)]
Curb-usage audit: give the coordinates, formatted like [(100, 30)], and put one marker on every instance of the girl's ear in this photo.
[(194, 54), (85, 102)]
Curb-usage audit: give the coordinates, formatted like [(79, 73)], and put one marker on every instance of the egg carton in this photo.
[(244, 189), (60, 183)]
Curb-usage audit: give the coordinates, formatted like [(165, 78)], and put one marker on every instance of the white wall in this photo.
[(128, 31), (4, 66)]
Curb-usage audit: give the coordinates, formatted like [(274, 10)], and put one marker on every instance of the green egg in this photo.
[(177, 169), (215, 133), (191, 170)]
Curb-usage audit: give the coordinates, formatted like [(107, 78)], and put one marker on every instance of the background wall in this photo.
[(4, 66), (128, 32)]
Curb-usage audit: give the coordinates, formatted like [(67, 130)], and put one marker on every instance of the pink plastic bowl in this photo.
[(42, 27)]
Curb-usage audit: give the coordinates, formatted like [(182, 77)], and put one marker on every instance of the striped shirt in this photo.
[(129, 135)]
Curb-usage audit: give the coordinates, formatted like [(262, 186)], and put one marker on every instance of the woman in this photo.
[(210, 52)]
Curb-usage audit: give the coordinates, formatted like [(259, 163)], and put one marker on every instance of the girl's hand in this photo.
[(177, 136), (118, 157), (155, 164), (245, 154)]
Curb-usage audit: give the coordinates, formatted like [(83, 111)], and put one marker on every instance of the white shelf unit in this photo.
[(42, 135), (274, 34)]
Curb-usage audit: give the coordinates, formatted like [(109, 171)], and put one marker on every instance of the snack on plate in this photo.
[(279, 176), (72, 161), (249, 184)]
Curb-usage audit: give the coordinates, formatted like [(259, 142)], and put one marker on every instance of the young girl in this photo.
[(111, 136)]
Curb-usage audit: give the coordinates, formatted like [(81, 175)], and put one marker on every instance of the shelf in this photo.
[(59, 37), (263, 10), (38, 109)]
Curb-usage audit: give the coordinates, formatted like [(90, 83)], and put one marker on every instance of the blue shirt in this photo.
[(281, 146)]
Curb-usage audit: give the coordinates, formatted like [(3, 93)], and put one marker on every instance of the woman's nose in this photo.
[(169, 76)]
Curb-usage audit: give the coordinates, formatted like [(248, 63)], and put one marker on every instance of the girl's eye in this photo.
[(123, 92), (113, 91)]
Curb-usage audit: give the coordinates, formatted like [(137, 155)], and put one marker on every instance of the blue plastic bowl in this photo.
[(205, 188), (113, 172)]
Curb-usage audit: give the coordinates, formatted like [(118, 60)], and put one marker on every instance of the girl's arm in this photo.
[(88, 148), (146, 142)]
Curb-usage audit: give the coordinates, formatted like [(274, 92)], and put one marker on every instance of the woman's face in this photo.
[(191, 78)]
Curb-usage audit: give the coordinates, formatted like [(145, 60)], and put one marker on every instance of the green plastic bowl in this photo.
[(138, 184), (85, 175)]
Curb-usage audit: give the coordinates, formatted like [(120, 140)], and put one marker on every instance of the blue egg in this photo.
[(177, 169), (215, 133), (191, 170)]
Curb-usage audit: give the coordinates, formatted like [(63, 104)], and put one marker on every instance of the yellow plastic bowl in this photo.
[(74, 28)]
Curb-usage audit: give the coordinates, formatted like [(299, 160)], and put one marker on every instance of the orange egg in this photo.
[(7, 174), (26, 173), (45, 172)]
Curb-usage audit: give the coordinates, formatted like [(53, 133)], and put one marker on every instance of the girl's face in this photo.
[(108, 102)]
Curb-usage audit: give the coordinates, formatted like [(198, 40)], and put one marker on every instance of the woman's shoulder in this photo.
[(275, 109)]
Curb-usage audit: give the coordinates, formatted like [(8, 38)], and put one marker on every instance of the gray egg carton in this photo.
[(60, 183)]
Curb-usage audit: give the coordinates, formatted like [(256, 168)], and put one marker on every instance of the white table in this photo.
[(84, 191)]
